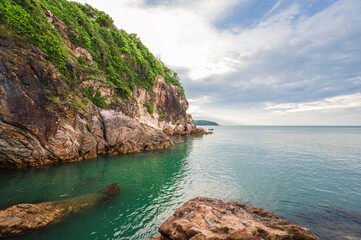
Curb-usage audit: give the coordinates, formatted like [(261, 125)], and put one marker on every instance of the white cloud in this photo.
[(285, 57), (327, 104), (196, 106), (182, 34)]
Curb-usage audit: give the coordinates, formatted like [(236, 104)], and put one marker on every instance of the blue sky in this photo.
[(256, 62)]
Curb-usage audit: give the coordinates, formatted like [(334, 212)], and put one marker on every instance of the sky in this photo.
[(255, 62)]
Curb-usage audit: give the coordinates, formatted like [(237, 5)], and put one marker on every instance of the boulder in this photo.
[(212, 219)]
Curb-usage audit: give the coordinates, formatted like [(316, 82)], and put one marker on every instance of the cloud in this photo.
[(196, 106), (290, 60), (273, 8), (182, 33), (327, 104), (289, 55)]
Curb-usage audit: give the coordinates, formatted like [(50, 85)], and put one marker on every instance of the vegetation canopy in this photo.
[(119, 59)]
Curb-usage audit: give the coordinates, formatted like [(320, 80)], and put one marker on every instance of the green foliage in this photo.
[(161, 115), (54, 99), (25, 17), (104, 20), (79, 103), (95, 97), (96, 78), (51, 106), (99, 101), (9, 34), (123, 92), (74, 105), (119, 58), (149, 107)]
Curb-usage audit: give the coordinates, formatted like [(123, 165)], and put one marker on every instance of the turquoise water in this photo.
[(310, 175)]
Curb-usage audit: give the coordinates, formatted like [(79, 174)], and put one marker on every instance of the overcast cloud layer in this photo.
[(256, 62)]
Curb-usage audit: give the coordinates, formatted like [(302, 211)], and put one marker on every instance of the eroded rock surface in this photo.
[(23, 218), (125, 134), (212, 219), (41, 123)]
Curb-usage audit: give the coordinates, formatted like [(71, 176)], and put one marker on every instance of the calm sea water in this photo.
[(309, 175)]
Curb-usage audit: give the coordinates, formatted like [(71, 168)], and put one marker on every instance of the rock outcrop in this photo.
[(168, 101), (43, 121), (24, 218), (212, 219)]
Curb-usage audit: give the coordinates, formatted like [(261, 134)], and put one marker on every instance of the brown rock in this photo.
[(125, 134), (84, 54), (39, 124), (111, 190), (212, 219), (23, 218)]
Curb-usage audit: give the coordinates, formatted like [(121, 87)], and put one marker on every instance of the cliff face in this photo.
[(170, 109), (60, 110), (38, 129)]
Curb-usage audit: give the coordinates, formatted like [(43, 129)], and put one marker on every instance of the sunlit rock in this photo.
[(212, 219)]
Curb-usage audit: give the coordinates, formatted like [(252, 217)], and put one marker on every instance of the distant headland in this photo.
[(205, 123)]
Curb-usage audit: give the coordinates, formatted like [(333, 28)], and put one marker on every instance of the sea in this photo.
[(308, 175)]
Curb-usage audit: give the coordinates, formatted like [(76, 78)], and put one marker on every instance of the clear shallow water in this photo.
[(309, 175)]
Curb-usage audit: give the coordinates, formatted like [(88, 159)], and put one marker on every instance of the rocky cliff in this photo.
[(52, 112)]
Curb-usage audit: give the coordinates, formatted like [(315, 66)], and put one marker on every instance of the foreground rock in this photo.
[(23, 218), (212, 219)]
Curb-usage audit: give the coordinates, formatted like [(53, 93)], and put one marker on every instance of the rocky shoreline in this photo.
[(204, 218), (200, 218)]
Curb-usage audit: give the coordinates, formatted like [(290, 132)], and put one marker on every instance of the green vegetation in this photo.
[(54, 100), (79, 103), (99, 101), (149, 107), (95, 97), (26, 17), (119, 59), (205, 123), (161, 115)]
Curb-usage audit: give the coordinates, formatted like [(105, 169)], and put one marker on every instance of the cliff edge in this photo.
[(73, 86)]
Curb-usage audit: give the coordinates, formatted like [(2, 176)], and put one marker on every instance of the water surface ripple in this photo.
[(309, 175)]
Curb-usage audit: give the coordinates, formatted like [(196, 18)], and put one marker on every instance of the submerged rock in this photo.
[(332, 223), (23, 218), (212, 219)]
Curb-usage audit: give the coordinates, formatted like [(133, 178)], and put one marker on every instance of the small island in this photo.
[(205, 123)]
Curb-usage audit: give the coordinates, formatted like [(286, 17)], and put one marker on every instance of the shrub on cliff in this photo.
[(117, 55), (161, 115), (25, 17), (149, 107)]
